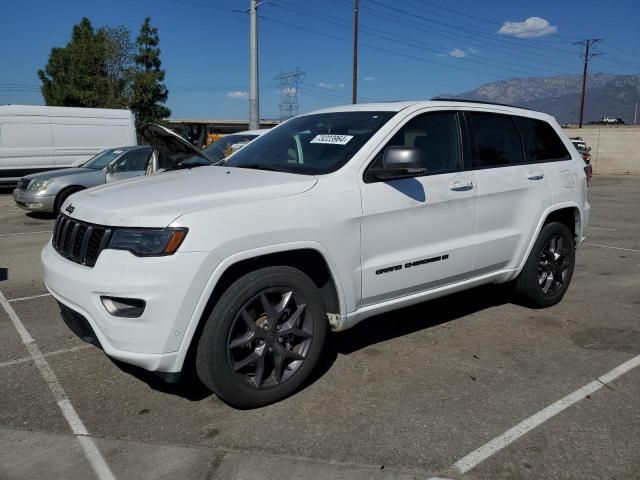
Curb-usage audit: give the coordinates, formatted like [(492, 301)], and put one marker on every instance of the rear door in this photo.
[(512, 193), (419, 233), (544, 146)]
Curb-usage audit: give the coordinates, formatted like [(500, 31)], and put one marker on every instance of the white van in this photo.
[(39, 138)]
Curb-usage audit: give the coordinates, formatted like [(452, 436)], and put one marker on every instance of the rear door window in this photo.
[(541, 142), (497, 141)]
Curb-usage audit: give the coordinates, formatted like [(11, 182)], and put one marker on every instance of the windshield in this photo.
[(311, 144), (103, 159), (222, 148)]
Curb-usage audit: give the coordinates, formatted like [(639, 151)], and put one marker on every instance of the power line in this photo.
[(457, 29), (458, 37), (385, 50), (492, 22), (423, 46), (444, 28)]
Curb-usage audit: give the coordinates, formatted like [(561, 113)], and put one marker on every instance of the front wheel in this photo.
[(263, 338), (547, 273), (62, 196)]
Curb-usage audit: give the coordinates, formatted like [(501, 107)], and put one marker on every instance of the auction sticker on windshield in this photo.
[(332, 139)]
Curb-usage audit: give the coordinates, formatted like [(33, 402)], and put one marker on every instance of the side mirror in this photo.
[(401, 162), (110, 168)]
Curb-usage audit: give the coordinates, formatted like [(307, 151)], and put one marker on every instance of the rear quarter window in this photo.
[(541, 142)]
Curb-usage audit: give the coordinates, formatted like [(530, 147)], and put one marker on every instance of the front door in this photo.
[(419, 233)]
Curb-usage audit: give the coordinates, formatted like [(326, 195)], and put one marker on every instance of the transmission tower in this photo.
[(288, 83)]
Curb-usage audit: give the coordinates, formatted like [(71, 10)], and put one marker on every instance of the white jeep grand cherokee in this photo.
[(328, 219)]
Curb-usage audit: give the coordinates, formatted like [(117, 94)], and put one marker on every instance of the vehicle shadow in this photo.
[(398, 323), (41, 215), (371, 331)]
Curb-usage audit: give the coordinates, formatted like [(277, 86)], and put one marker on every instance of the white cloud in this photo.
[(325, 85), (457, 53), (341, 85), (472, 50), (532, 27), (369, 79), (238, 94)]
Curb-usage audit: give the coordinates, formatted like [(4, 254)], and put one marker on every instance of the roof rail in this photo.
[(444, 99)]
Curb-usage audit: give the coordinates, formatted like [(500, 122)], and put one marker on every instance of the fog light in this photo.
[(124, 307), (34, 205)]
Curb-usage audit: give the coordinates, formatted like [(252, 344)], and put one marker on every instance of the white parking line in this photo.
[(22, 299), (601, 228), (474, 458), (50, 354), (89, 447), (609, 246), (24, 233)]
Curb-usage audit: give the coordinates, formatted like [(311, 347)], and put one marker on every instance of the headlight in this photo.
[(145, 242), (40, 184)]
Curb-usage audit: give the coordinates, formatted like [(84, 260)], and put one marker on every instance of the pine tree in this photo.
[(92, 70), (149, 91)]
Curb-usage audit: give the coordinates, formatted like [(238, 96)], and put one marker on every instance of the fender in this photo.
[(558, 206), (248, 254)]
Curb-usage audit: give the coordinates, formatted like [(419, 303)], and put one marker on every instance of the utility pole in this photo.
[(254, 95), (354, 98), (587, 56)]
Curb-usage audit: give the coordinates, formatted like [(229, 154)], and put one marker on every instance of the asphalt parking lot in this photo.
[(469, 386)]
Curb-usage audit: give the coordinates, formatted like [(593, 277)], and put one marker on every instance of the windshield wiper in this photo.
[(258, 166)]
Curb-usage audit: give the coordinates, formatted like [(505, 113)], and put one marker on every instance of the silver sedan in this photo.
[(47, 191)]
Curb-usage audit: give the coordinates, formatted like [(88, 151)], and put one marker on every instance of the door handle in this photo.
[(535, 176), (459, 187)]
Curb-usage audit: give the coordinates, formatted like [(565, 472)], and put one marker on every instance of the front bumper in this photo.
[(34, 202), (171, 287)]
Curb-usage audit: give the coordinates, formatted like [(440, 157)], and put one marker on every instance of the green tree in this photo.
[(93, 70), (149, 91)]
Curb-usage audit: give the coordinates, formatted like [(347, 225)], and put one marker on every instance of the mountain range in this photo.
[(607, 95)]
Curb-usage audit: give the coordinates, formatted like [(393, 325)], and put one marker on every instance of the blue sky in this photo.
[(409, 48)]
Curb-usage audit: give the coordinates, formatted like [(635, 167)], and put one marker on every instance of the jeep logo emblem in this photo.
[(70, 208)]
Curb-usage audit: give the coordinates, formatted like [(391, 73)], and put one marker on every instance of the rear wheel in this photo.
[(263, 338), (549, 268), (62, 196)]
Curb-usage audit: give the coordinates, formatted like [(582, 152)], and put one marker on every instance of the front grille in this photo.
[(23, 183), (78, 241)]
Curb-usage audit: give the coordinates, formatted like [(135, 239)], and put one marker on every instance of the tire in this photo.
[(547, 273), (62, 196), (274, 317)]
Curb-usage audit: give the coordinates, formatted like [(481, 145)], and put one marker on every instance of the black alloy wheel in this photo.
[(270, 337), (547, 273), (263, 337)]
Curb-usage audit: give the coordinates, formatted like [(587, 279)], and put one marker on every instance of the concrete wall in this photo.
[(615, 150)]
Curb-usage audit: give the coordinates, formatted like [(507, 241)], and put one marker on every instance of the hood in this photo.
[(58, 173), (157, 200), (164, 139)]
